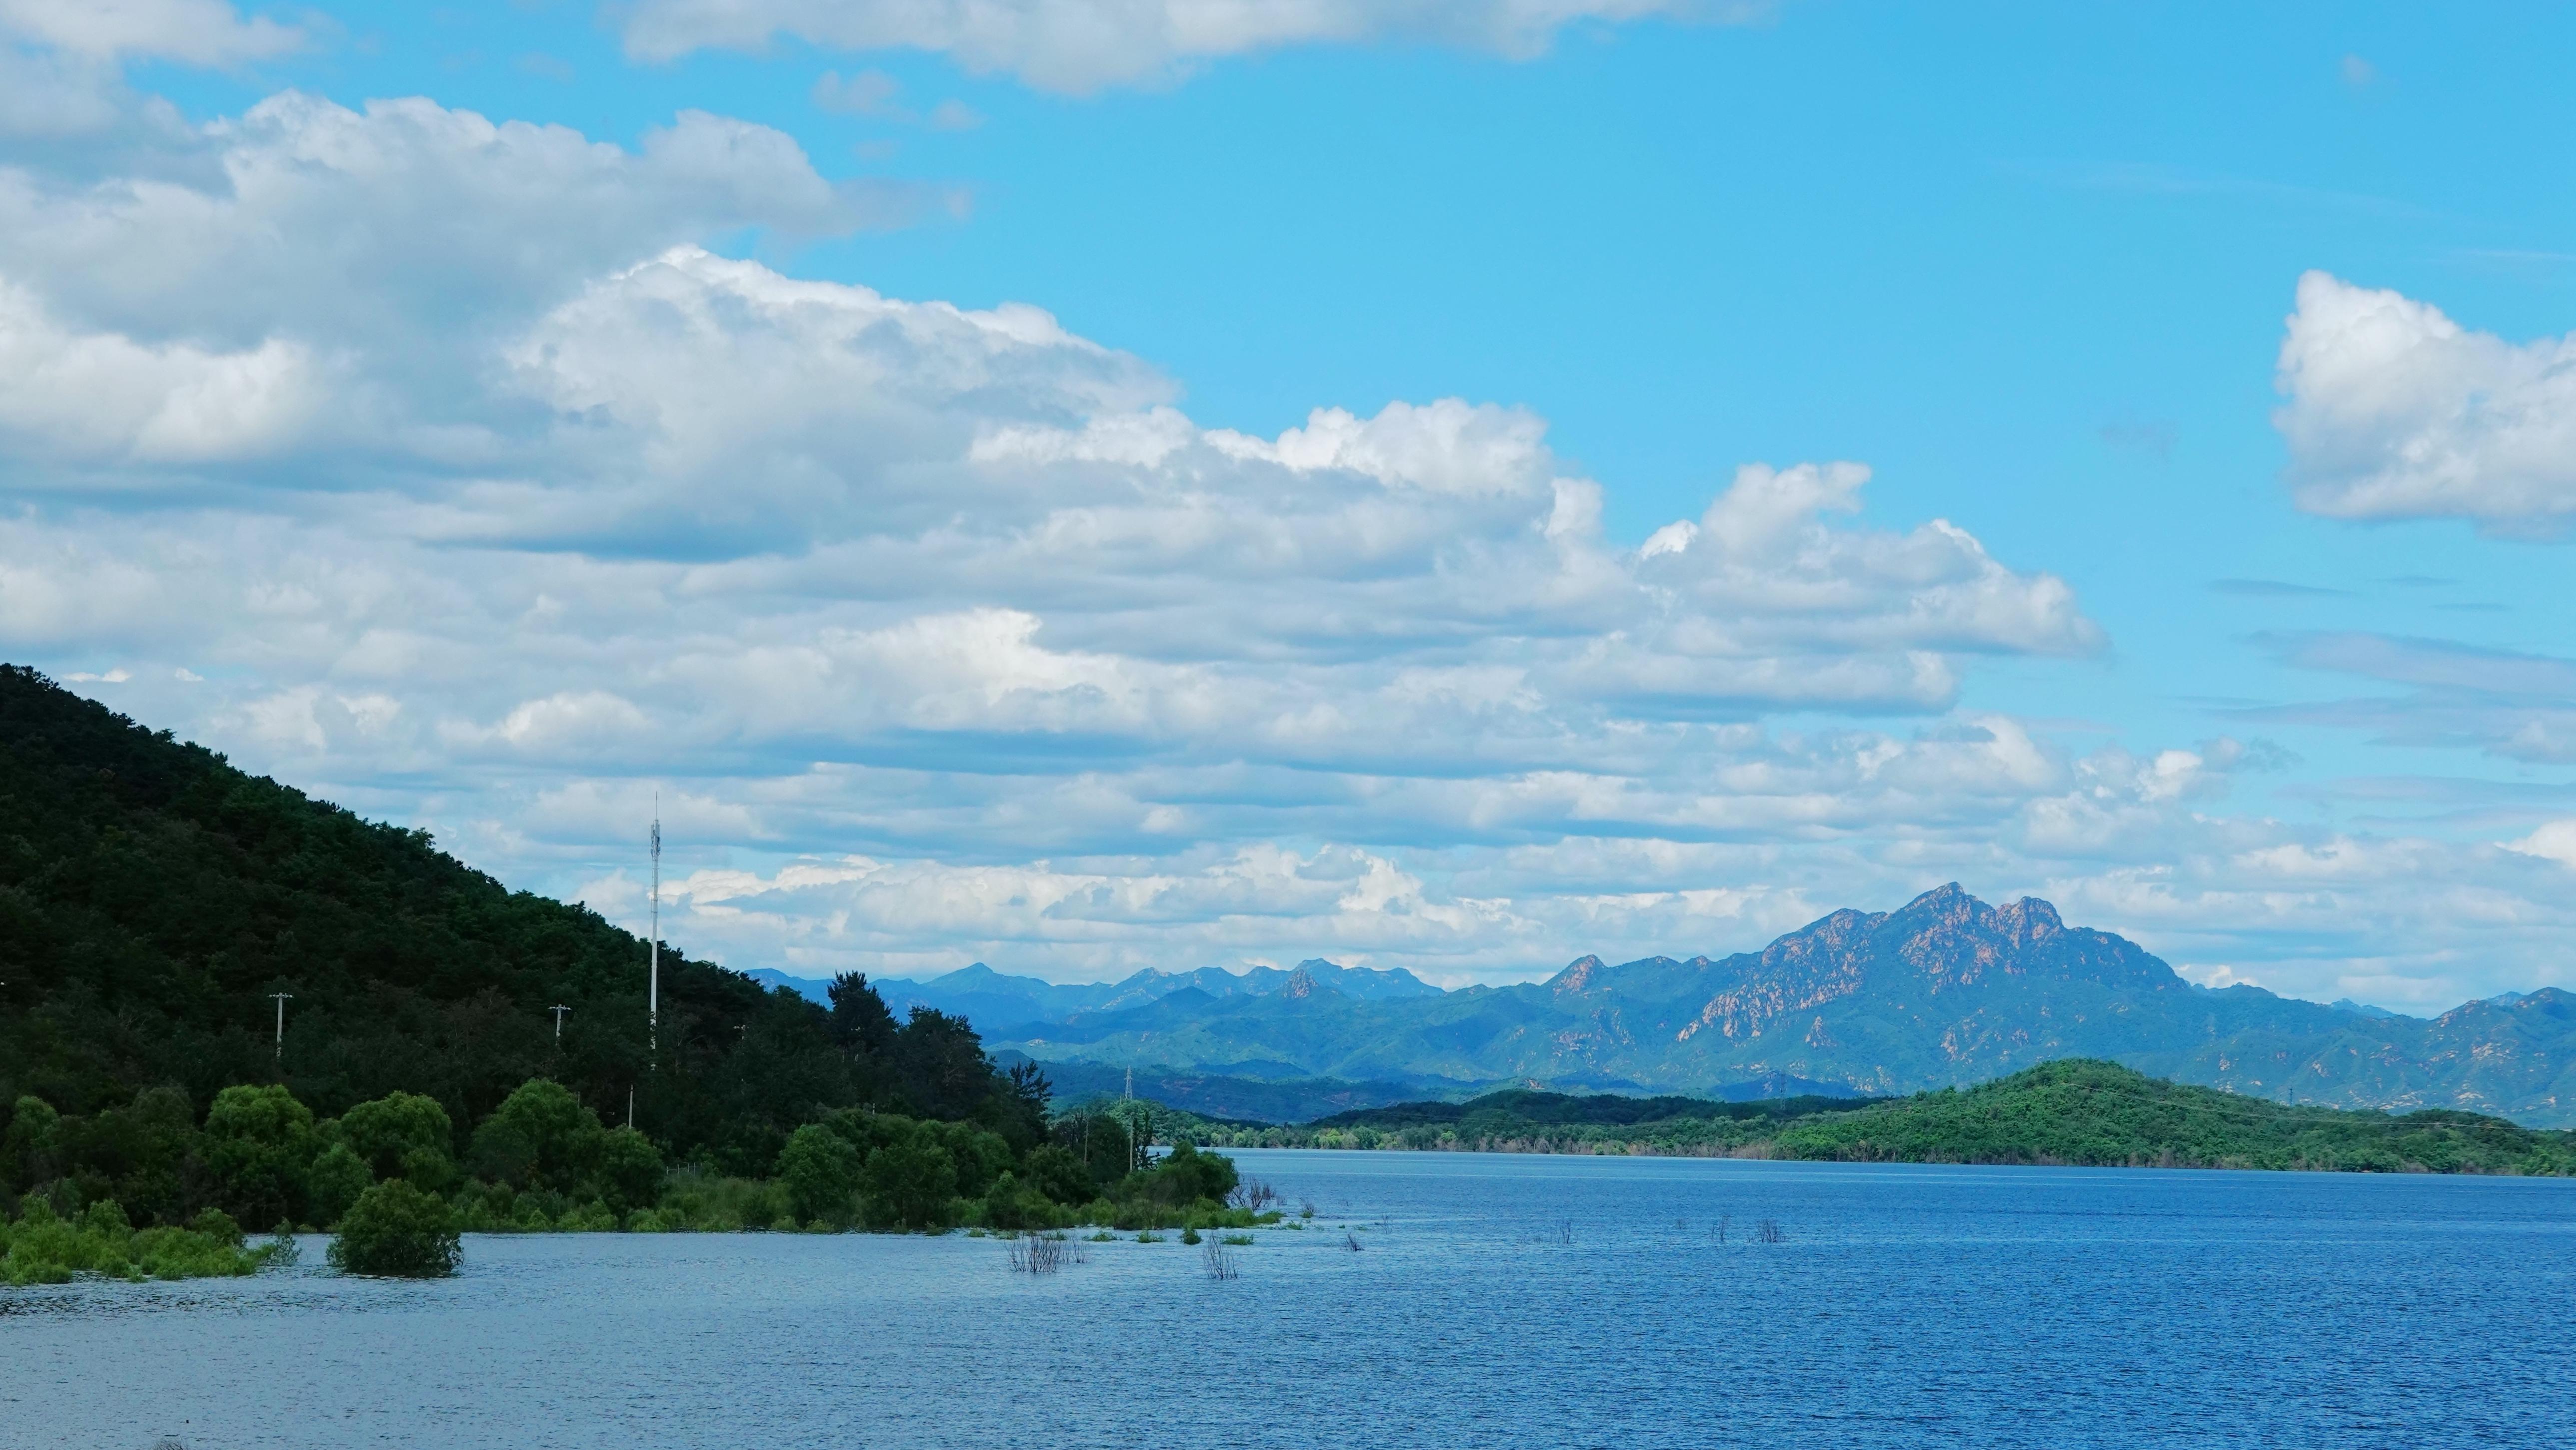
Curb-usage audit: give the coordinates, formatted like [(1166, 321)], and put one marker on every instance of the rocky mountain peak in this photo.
[(1577, 976), (1303, 983)]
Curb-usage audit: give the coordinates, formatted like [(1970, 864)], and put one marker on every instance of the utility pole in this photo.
[(278, 1054), (653, 989), (559, 1009), (1138, 1119)]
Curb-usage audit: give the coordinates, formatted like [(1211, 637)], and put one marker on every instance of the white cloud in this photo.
[(1080, 46), (193, 32), (2395, 411), (104, 397), (437, 465), (2554, 841)]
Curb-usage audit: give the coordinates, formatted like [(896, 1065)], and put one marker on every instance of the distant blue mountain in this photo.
[(1946, 991), (1000, 1005)]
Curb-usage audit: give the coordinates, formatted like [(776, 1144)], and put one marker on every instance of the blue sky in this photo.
[(2269, 671)]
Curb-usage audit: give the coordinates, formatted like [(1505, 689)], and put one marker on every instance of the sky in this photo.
[(1452, 484)]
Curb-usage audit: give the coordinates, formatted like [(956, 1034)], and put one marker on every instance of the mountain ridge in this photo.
[(1945, 991)]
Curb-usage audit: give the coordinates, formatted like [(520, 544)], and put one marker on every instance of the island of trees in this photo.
[(2072, 1111)]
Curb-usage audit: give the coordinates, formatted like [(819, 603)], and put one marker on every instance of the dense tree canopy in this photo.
[(152, 897)]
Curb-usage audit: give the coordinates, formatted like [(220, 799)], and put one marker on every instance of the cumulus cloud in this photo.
[(100, 396), (1080, 46), (439, 465), (2395, 411), (192, 32)]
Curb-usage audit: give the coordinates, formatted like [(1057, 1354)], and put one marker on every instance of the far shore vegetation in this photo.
[(2072, 1112)]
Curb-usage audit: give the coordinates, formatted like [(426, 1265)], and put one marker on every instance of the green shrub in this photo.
[(397, 1230), (701, 1201), (540, 1137), (1053, 1170), (821, 1171), (910, 1183), (629, 1172), (43, 1247), (977, 1155), (1184, 1176), (591, 1217), (403, 1135), (1011, 1204), (259, 1142)]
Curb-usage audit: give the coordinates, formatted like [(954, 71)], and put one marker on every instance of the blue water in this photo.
[(1497, 1301)]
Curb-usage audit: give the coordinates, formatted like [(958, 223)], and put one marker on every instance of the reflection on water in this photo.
[(1504, 1301)]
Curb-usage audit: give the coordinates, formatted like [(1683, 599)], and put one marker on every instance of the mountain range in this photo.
[(995, 1002), (1946, 991)]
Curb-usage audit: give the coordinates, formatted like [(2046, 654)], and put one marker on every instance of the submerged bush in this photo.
[(396, 1230), (43, 1247)]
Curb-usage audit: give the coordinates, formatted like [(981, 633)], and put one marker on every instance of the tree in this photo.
[(1024, 1097), (395, 1229), (630, 1170), (1100, 1142), (822, 1173), (403, 1135), (146, 1155), (27, 1149), (1053, 1170), (910, 1182), (540, 1137), (259, 1141), (978, 1153), (941, 1064), (860, 1022), (334, 1182), (1187, 1175)]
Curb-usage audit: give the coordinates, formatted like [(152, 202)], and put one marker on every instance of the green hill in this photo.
[(152, 896), (2102, 1114), (2075, 1111)]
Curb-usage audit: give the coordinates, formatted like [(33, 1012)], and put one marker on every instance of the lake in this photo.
[(1496, 1301)]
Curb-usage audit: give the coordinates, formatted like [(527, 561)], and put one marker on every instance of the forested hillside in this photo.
[(152, 897)]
